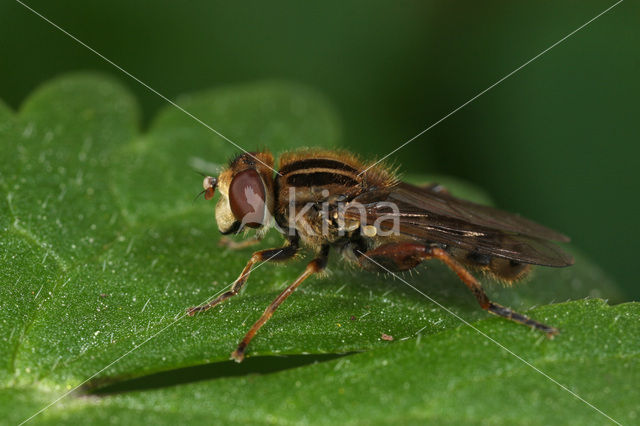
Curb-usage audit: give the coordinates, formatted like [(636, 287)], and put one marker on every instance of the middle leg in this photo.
[(315, 266)]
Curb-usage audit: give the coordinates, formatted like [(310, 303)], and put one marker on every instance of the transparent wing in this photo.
[(430, 216)]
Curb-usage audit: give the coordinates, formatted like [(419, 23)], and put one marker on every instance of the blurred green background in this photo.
[(557, 142)]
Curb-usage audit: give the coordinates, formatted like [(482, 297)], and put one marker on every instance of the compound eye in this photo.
[(247, 198)]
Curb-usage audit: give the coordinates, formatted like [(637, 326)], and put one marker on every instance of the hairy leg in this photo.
[(274, 254), (315, 266), (404, 256), (237, 245)]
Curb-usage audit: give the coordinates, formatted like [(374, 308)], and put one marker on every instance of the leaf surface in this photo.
[(103, 249)]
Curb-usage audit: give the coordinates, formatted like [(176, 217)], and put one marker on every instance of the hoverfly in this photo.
[(325, 200)]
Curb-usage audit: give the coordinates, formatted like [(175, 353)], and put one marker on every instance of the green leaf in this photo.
[(103, 250)]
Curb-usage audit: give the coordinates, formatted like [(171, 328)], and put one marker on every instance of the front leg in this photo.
[(274, 254), (237, 245)]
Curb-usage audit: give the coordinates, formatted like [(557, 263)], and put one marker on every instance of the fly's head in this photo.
[(246, 193)]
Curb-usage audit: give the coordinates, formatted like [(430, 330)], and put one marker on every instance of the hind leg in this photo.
[(403, 256)]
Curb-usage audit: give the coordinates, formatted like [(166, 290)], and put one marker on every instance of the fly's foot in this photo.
[(238, 354), (195, 309)]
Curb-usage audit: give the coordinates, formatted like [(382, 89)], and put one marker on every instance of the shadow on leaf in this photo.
[(216, 370)]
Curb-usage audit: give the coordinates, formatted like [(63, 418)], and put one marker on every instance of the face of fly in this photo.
[(246, 193)]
